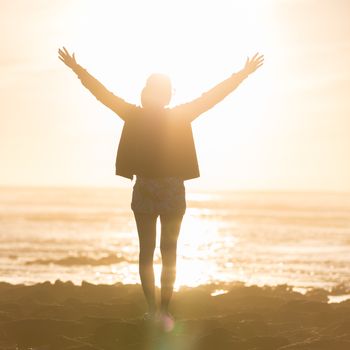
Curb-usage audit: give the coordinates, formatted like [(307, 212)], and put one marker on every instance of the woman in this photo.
[(157, 147)]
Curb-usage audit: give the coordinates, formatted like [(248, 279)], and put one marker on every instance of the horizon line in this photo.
[(211, 189)]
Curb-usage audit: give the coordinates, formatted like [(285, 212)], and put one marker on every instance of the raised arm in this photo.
[(207, 100), (115, 103)]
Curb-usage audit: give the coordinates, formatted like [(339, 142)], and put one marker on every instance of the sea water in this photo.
[(263, 238)]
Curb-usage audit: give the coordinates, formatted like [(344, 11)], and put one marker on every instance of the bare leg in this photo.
[(170, 225), (146, 228)]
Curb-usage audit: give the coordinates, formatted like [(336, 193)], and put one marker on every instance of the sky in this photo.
[(286, 127)]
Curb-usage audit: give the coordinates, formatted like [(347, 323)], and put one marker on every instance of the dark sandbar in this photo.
[(67, 316)]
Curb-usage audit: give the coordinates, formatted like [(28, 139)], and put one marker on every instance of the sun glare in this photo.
[(138, 38), (197, 45)]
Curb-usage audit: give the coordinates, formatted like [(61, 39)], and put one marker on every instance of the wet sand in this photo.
[(66, 316)]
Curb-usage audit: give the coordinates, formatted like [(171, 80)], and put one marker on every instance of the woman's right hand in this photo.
[(66, 58), (252, 64)]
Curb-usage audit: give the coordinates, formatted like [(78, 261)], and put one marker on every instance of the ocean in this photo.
[(262, 238)]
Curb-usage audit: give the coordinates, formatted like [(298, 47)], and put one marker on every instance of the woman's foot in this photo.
[(166, 320)]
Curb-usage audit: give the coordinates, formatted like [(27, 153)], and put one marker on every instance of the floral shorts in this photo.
[(159, 196)]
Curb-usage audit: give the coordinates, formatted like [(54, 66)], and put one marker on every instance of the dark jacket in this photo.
[(158, 143)]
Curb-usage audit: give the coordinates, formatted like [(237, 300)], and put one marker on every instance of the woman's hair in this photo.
[(157, 91)]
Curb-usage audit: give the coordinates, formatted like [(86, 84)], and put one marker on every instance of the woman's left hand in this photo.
[(67, 58)]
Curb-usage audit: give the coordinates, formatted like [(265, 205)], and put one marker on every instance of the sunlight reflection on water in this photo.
[(257, 238)]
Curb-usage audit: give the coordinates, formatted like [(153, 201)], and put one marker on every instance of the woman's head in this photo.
[(157, 91)]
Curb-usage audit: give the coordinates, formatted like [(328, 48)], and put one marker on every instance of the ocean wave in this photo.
[(81, 260)]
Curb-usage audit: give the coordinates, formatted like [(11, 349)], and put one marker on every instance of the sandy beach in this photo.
[(65, 316)]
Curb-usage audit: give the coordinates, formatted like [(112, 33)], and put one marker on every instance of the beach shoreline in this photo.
[(63, 315)]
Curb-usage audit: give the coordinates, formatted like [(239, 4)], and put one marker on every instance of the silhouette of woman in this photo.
[(157, 147)]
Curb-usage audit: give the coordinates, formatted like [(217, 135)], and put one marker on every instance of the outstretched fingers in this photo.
[(62, 53), (257, 58), (254, 63), (258, 61), (254, 57), (66, 57), (66, 51)]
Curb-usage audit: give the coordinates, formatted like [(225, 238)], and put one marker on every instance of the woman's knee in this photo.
[(168, 252), (170, 229), (146, 223), (146, 254), (146, 229), (171, 221)]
